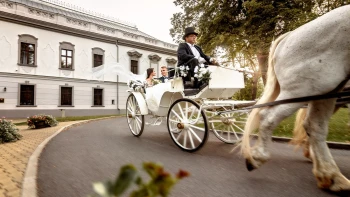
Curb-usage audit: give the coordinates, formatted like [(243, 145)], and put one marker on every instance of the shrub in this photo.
[(42, 120), (160, 183), (8, 131)]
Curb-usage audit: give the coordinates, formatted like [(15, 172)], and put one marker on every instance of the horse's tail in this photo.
[(271, 91), (299, 133), (300, 137)]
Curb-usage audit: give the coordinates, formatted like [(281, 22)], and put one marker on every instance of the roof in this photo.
[(75, 12)]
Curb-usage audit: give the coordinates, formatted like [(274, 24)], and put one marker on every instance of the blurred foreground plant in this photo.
[(160, 183)]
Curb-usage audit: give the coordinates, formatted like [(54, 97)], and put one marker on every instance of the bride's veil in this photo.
[(119, 70)]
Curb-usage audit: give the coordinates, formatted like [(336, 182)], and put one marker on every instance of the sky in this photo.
[(149, 16)]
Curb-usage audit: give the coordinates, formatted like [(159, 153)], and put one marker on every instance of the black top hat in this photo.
[(189, 31)]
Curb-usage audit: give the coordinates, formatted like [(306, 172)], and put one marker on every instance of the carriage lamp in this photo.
[(4, 89)]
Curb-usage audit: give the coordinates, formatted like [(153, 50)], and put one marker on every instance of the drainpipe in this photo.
[(116, 44)]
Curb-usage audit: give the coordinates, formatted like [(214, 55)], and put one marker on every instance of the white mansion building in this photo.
[(48, 50)]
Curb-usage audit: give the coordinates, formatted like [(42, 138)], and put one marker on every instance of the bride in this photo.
[(150, 81)]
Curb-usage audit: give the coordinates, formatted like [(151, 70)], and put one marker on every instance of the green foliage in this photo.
[(339, 131), (8, 131), (205, 77), (73, 118), (160, 183), (246, 92), (45, 120), (245, 26)]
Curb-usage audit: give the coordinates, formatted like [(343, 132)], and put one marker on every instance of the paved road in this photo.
[(95, 151)]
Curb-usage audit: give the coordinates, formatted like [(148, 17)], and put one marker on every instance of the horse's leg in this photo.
[(269, 118), (325, 169)]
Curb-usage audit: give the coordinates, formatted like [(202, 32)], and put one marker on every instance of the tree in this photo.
[(246, 27)]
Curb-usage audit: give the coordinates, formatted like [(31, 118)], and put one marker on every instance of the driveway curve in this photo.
[(95, 151)]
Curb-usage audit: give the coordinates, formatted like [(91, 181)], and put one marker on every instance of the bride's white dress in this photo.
[(154, 95)]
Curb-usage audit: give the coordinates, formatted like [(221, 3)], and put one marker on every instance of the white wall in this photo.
[(48, 52), (47, 93)]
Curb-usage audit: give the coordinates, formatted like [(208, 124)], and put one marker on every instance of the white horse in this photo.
[(311, 60)]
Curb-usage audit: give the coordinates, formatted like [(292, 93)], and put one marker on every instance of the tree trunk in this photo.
[(263, 64), (255, 85)]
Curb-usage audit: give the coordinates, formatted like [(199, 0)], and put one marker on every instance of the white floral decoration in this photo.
[(202, 73), (183, 70)]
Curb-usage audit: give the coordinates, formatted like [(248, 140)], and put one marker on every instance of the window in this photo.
[(27, 49), (27, 54), (66, 56), (134, 66), (98, 55), (98, 97), (66, 96), (134, 60), (98, 60), (171, 66), (27, 95)]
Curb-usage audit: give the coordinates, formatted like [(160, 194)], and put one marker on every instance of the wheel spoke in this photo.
[(131, 103), (129, 110), (234, 132), (190, 117), (177, 115), (238, 127), (190, 138), (138, 119), (195, 135), (137, 127), (174, 121), (134, 126), (185, 139), (228, 133), (186, 111), (182, 113), (199, 128), (173, 129)]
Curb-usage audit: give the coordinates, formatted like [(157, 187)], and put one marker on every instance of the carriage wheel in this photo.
[(187, 125), (136, 121), (229, 127)]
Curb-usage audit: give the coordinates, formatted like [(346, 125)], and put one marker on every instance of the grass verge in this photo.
[(74, 118), (339, 131)]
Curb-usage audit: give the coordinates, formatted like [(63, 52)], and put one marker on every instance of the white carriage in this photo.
[(190, 118)]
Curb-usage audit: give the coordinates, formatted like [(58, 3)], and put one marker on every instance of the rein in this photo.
[(294, 100)]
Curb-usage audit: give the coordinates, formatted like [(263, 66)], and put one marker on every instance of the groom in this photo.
[(164, 72)]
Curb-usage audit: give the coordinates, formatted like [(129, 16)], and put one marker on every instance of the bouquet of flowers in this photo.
[(202, 73), (156, 81), (136, 85), (183, 70)]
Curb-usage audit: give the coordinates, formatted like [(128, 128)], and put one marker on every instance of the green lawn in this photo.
[(73, 118), (338, 129)]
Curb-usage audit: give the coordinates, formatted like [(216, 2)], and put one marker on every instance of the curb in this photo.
[(29, 186), (332, 145)]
